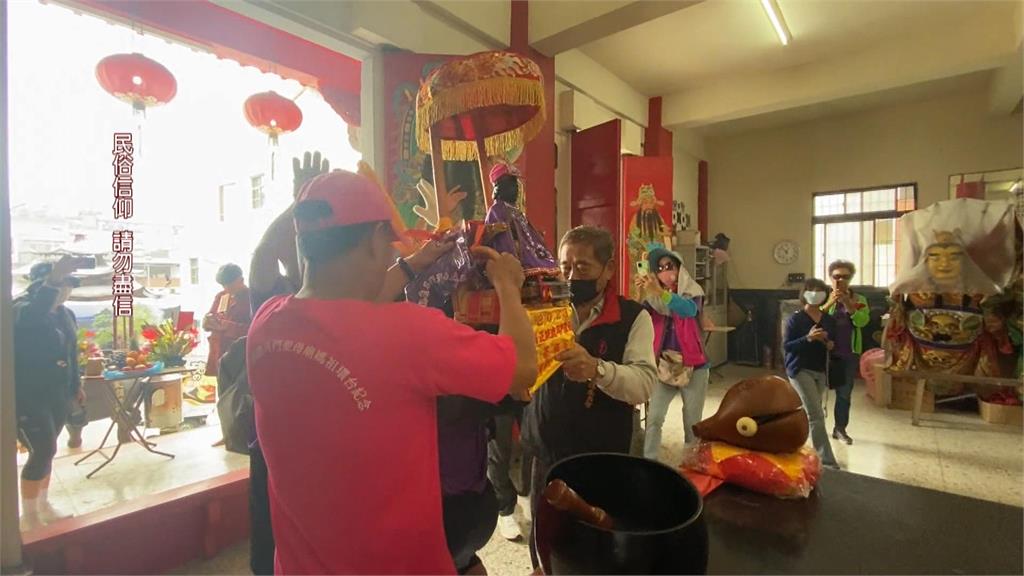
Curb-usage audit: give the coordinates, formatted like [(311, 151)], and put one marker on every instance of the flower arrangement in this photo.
[(167, 343), (87, 348)]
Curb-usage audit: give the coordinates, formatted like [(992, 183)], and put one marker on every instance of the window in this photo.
[(222, 196), (861, 226), (257, 191), (193, 270)]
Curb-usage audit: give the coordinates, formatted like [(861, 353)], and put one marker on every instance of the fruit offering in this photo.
[(130, 361)]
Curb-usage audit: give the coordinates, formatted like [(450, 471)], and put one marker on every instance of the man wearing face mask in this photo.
[(808, 344), (46, 379), (587, 405)]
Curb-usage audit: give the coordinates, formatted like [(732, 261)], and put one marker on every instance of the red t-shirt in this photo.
[(345, 396)]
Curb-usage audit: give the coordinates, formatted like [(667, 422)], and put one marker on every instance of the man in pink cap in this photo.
[(345, 390)]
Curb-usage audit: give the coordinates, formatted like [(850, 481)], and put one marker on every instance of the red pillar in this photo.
[(539, 155), (702, 199), (657, 140), (520, 32)]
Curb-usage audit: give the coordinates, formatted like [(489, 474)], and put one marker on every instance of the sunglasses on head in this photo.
[(841, 276)]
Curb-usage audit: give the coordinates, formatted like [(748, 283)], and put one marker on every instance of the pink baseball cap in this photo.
[(352, 198)]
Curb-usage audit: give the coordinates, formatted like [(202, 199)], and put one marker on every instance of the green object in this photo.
[(859, 319)]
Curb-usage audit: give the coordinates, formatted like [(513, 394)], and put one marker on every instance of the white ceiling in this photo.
[(719, 38), (973, 82), (717, 63)]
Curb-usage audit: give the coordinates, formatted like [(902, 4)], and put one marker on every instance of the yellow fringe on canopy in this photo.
[(463, 98)]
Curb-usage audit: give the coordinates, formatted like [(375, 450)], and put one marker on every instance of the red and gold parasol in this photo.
[(478, 107)]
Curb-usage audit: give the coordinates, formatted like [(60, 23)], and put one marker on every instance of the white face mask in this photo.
[(814, 298)]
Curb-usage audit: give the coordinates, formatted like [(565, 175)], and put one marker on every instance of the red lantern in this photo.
[(140, 81), (273, 114)]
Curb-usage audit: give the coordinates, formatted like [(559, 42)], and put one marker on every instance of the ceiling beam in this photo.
[(1008, 86), (601, 26), (306, 19), (581, 73), (485, 22)]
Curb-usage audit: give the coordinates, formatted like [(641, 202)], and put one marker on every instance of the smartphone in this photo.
[(643, 268), (84, 262)]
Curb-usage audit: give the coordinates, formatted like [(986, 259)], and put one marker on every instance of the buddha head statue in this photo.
[(945, 258), (955, 246)]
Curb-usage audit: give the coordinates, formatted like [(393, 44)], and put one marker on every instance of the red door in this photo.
[(595, 199)]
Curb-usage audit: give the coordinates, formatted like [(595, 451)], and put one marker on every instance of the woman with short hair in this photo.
[(851, 314), (807, 342)]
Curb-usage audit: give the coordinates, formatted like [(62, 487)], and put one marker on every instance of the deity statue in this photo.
[(506, 229), (947, 310)]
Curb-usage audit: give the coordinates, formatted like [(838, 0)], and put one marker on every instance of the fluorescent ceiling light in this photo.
[(1015, 187), (771, 8)]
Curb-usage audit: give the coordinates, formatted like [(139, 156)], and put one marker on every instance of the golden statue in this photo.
[(945, 314)]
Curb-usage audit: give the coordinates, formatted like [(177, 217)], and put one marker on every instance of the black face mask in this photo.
[(582, 291)]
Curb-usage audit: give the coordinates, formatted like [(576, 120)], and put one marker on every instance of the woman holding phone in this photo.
[(851, 314), (808, 345), (675, 302)]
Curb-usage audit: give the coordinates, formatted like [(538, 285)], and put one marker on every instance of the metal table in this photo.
[(124, 407), (855, 524)]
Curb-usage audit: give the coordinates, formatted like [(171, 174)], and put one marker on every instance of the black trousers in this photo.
[(499, 463), (261, 537), (469, 521), (39, 425)]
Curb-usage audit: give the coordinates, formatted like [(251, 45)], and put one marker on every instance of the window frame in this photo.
[(256, 187), (860, 217)]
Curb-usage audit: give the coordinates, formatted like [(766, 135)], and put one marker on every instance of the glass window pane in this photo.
[(853, 201), (879, 200), (905, 198), (866, 272), (885, 252), (819, 250), (828, 204), (186, 222), (843, 243)]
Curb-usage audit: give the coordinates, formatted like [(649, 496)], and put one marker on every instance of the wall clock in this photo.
[(786, 252)]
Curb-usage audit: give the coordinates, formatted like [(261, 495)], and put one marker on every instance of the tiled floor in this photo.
[(956, 453), (135, 472)]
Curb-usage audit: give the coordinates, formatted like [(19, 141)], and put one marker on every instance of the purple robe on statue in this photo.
[(532, 252), (437, 283)]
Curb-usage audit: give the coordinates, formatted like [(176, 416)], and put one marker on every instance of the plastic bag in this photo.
[(791, 475), (111, 374)]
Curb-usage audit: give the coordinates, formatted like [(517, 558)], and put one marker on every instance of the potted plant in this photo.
[(169, 344)]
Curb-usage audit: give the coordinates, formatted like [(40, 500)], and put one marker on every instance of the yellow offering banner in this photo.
[(552, 328)]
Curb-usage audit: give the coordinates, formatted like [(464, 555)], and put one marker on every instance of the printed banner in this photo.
[(646, 212)]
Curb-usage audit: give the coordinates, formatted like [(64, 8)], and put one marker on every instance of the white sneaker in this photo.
[(29, 521), (509, 528), (49, 514)]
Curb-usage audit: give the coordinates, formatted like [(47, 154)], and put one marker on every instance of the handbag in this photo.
[(671, 369), (692, 344)]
